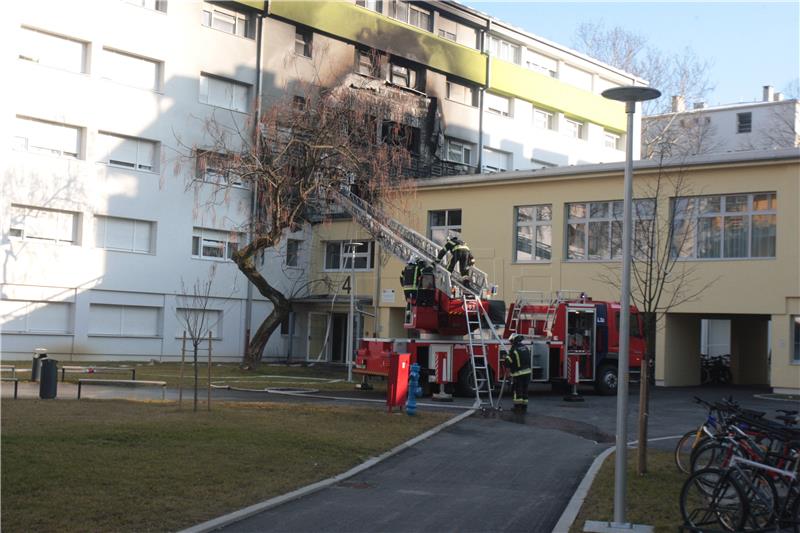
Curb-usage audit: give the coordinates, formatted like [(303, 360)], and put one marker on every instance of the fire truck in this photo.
[(458, 332)]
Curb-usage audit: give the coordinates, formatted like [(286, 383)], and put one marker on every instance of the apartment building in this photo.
[(769, 124), (734, 239)]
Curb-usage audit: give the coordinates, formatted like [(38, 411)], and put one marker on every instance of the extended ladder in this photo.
[(478, 354)]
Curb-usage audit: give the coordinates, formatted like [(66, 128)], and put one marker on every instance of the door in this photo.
[(580, 339), (317, 336), (339, 338)]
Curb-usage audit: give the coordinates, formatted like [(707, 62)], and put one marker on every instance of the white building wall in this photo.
[(81, 274)]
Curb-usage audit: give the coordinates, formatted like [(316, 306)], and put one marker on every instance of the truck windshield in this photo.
[(635, 329)]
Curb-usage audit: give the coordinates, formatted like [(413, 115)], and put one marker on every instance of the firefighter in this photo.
[(410, 277), (459, 253), (518, 361)]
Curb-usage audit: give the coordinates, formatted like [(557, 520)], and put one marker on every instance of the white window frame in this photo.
[(21, 311), (25, 142), (461, 93), (509, 157), (549, 119), (532, 62), (243, 23), (155, 83), (541, 217), (644, 213), (575, 129), (208, 172), (235, 86), (303, 42), (695, 204), (439, 232), (505, 50), (17, 230), (346, 255), (101, 222), (444, 34), (372, 5), (464, 148), (48, 60), (403, 75), (497, 110), (227, 241), (122, 332), (612, 140), (412, 14), (141, 144)]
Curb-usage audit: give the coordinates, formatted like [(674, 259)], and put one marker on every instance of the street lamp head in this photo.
[(631, 93)]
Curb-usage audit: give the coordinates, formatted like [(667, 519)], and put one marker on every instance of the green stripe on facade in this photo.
[(513, 80), (257, 4), (361, 25)]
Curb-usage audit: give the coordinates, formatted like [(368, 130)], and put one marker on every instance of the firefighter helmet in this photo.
[(515, 338)]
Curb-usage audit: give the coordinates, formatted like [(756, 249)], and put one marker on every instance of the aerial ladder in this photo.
[(405, 244)]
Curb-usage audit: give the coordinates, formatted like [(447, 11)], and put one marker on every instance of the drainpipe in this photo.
[(482, 91), (248, 309)]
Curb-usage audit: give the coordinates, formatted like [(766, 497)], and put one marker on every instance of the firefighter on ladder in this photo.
[(518, 362), (460, 254)]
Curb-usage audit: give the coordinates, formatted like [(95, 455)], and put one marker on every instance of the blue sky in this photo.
[(749, 44)]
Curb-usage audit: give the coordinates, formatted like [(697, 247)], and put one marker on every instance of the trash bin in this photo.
[(38, 355), (48, 382)]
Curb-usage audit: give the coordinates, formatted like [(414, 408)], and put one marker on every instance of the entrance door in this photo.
[(339, 338), (318, 348), (580, 339)]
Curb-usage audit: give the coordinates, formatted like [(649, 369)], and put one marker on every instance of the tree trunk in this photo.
[(196, 342), (644, 393), (280, 310)]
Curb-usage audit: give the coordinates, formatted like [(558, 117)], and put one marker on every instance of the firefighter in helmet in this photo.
[(411, 276), (460, 254), (518, 361)]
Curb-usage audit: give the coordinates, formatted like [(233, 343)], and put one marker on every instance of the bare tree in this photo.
[(684, 75), (306, 142), (664, 232)]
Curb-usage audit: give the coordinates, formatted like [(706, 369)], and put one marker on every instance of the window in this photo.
[(496, 160), (744, 122), (233, 22), (201, 322), (612, 140), (404, 76), (541, 63), (574, 128), (459, 151), (41, 137), (39, 224), (577, 77), (373, 5), (444, 34), (128, 152), (443, 223), (214, 244), (462, 93), (124, 320), (796, 337), (217, 168), (504, 50), (302, 42), (533, 225), (730, 226), (368, 63), (411, 14), (594, 229), (299, 103), (225, 93), (339, 255), (124, 234), (131, 70), (543, 119), (53, 50), (286, 322), (292, 252), (18, 316), (401, 135), (158, 5), (499, 105)]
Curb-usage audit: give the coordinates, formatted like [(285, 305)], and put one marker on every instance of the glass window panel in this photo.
[(763, 236), (735, 236), (195, 246), (119, 234), (212, 248), (598, 240), (544, 213), (598, 210), (576, 236), (146, 158), (438, 218), (682, 238), (616, 239), (525, 214), (736, 203), (332, 256), (710, 204), (645, 208), (524, 243), (709, 237), (764, 202), (224, 22), (454, 217), (577, 210), (543, 242)]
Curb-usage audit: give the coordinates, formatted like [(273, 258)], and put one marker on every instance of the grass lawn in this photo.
[(652, 499), (132, 466), (321, 377)]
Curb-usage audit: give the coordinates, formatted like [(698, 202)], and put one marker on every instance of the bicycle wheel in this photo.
[(690, 441), (711, 454), (762, 497), (709, 497)]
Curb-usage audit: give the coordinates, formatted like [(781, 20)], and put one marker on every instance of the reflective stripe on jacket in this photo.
[(519, 361)]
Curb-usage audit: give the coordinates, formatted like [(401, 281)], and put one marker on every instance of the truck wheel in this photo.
[(606, 383), (466, 383)]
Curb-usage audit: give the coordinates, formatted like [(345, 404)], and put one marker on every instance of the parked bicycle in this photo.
[(715, 369)]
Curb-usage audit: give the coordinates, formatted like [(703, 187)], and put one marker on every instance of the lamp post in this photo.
[(353, 246), (630, 95)]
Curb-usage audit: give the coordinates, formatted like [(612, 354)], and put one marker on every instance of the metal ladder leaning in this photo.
[(481, 376)]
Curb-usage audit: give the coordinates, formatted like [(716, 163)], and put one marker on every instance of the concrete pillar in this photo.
[(678, 351), (749, 364)]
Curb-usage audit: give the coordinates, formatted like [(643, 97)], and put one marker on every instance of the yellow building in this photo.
[(558, 229)]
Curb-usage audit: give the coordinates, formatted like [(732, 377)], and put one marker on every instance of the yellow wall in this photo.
[(766, 287)]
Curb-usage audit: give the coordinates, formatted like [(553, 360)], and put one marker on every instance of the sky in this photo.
[(749, 44)]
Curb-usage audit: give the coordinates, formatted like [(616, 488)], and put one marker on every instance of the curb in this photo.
[(241, 514), (576, 502)]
